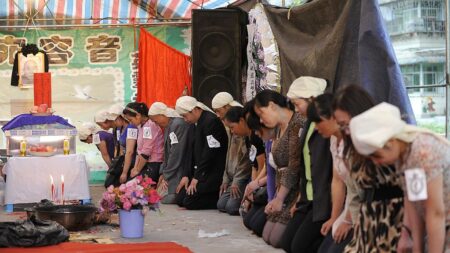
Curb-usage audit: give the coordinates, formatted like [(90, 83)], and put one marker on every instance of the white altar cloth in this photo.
[(28, 178)]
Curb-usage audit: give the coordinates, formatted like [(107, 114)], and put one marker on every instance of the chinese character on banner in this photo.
[(57, 49), (103, 48), (8, 48), (134, 56)]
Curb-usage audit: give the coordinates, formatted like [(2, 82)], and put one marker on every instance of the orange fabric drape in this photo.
[(164, 72), (75, 247), (43, 89)]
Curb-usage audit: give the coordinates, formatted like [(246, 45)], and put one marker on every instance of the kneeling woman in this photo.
[(422, 157), (177, 154), (90, 133), (275, 111), (150, 141)]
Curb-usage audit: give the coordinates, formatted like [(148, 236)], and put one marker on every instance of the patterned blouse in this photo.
[(286, 154), (432, 154)]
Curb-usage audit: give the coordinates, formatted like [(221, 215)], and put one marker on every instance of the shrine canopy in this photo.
[(46, 12)]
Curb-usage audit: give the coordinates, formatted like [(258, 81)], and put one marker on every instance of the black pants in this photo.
[(151, 170), (302, 234), (255, 219), (197, 201), (329, 246)]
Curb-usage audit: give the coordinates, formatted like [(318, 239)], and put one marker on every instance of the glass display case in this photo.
[(40, 142), (28, 135)]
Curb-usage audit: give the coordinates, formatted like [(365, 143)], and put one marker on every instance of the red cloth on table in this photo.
[(164, 72), (75, 247), (43, 89)]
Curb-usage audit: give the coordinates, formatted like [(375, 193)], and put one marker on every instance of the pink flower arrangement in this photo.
[(137, 193)]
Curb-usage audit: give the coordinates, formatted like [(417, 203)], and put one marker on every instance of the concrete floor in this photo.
[(180, 226)]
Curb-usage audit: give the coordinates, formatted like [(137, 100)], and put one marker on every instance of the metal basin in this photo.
[(72, 217)]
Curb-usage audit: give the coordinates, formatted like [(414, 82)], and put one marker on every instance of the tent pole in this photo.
[(98, 19), (447, 68), (178, 23)]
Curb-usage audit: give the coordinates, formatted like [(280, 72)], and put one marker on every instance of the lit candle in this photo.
[(62, 189), (52, 188)]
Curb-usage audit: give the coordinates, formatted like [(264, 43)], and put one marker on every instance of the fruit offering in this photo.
[(42, 148), (41, 109)]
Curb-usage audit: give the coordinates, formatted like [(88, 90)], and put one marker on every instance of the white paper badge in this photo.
[(132, 133), (173, 138), (212, 142), (252, 153), (118, 134), (96, 139), (416, 184), (147, 133)]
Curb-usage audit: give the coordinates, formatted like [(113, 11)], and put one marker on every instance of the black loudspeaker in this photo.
[(218, 50)]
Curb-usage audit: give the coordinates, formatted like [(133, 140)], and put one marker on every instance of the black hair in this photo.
[(135, 107), (234, 114), (352, 99), (252, 119), (249, 107), (263, 98), (320, 107), (253, 122)]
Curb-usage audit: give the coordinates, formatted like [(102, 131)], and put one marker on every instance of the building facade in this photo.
[(417, 32)]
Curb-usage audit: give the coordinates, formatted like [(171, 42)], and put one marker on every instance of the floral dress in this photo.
[(378, 226), (432, 154)]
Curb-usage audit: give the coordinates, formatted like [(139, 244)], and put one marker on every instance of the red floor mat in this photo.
[(75, 247)]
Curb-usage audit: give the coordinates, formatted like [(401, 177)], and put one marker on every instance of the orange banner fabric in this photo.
[(164, 73), (43, 89), (75, 247)]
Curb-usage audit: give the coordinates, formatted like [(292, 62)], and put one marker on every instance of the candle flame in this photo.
[(62, 178), (51, 179)]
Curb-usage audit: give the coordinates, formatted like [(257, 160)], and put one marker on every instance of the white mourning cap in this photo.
[(371, 129), (186, 104), (306, 87), (115, 111), (86, 129), (222, 99), (159, 108), (103, 116)]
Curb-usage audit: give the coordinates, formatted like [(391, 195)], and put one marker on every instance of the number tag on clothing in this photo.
[(416, 184), (147, 133), (118, 134), (96, 139), (252, 153), (212, 142), (132, 133), (173, 138)]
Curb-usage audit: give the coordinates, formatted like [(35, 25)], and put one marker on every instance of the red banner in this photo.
[(164, 73), (43, 89)]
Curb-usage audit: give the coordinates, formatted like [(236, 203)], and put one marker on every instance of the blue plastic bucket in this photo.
[(131, 223)]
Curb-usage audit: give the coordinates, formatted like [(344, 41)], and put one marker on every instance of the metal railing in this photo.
[(419, 25)]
